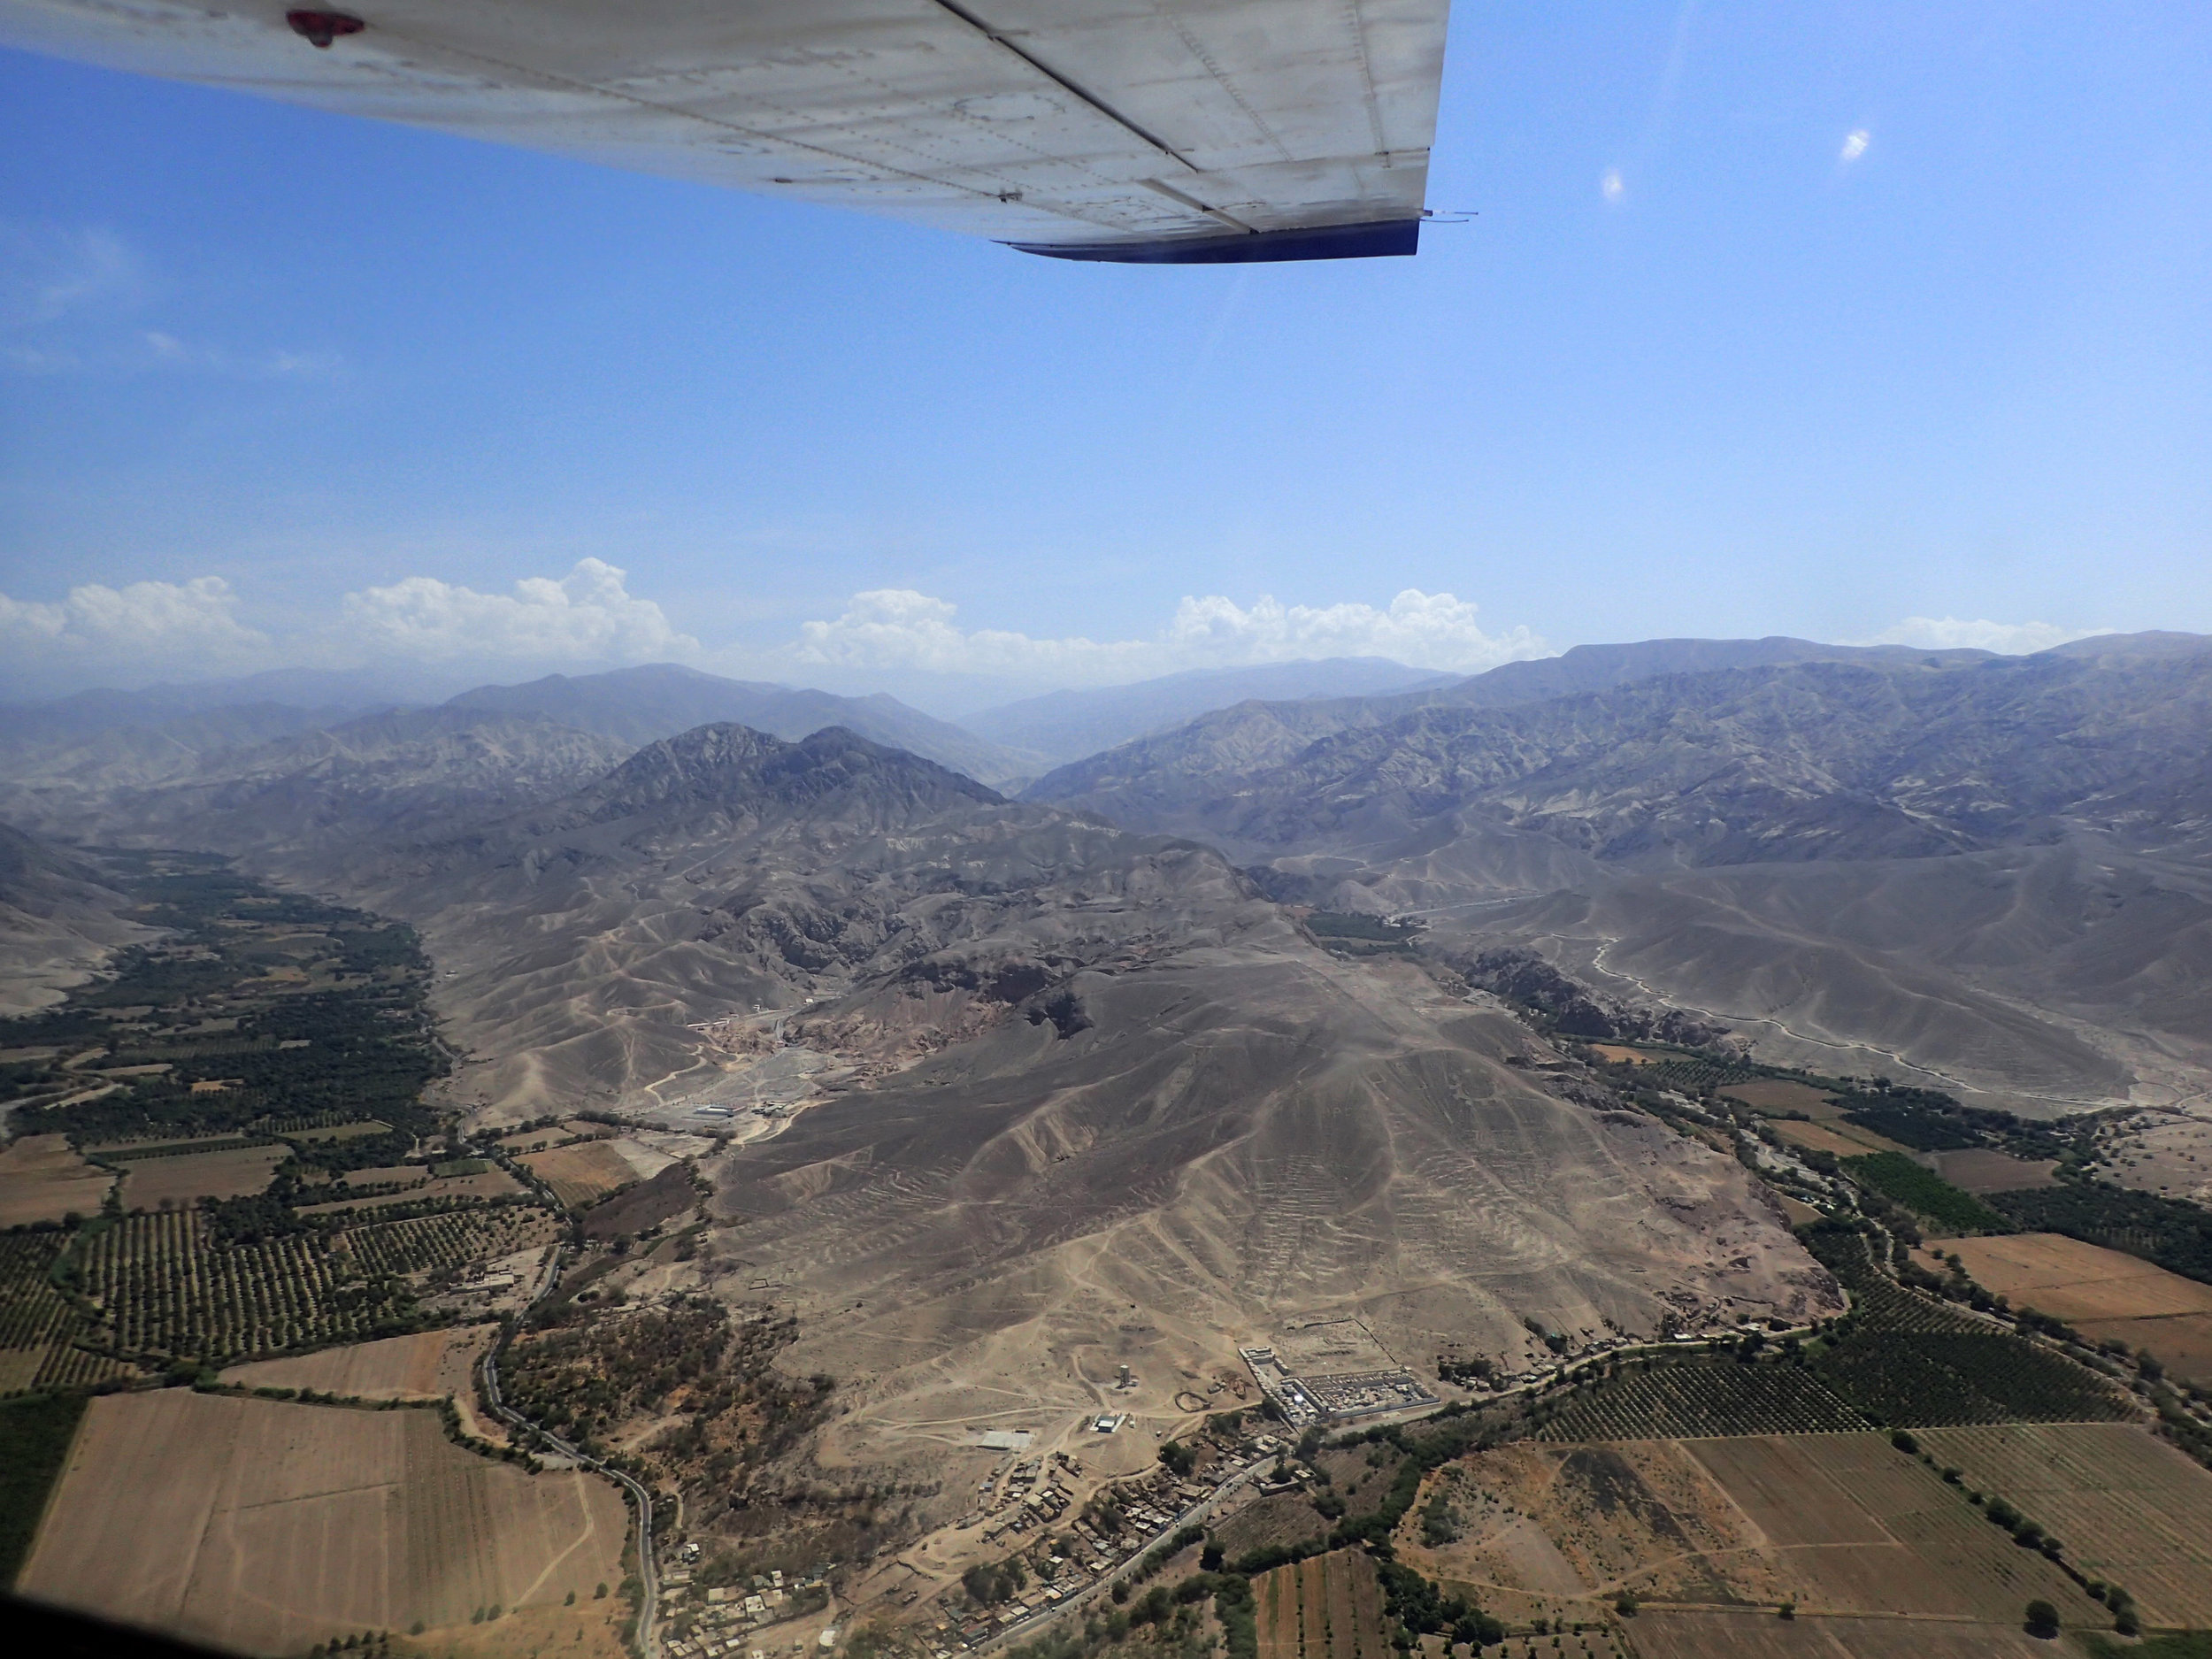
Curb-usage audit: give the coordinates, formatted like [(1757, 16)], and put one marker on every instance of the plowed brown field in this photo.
[(578, 1175), (1846, 1140), (1329, 1607), (1672, 1635), (181, 1181), (1986, 1169), (43, 1179), (265, 1528), (1781, 1094), (2105, 1294), (2129, 1507), (1838, 1523), (424, 1366)]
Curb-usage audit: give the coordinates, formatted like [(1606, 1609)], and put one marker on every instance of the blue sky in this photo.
[(1704, 365)]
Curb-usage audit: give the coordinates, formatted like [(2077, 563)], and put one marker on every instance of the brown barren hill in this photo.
[(266, 1527), (43, 1179), (671, 1192)]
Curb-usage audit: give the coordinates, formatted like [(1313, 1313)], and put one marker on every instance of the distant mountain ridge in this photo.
[(1063, 726), (1993, 873), (1892, 755), (167, 732), (658, 700)]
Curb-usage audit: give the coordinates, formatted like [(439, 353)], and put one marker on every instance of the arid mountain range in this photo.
[(1072, 1082), (1080, 1097), (57, 922), (1986, 871)]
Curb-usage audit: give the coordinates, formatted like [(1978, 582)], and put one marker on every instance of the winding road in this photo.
[(649, 1599)]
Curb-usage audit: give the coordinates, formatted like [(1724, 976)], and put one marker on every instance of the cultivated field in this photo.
[(532, 1139), (1840, 1524), (162, 1287), (1986, 1169), (425, 1243), (41, 1179), (1329, 1607), (1846, 1140), (1780, 1094), (266, 1526), (581, 1173), (1760, 1635), (340, 1132), (389, 1175), (38, 1326), (148, 1183), (489, 1184), (2103, 1293), (2129, 1507), (216, 1140), (1673, 1401), (1870, 1530), (424, 1366), (645, 1158)]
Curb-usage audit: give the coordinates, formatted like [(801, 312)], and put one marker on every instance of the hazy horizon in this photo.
[(954, 697), (1880, 325)]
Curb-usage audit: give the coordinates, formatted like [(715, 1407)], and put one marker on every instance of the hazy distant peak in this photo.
[(725, 764), (1601, 667), (554, 689), (2151, 643), (1063, 725), (658, 700)]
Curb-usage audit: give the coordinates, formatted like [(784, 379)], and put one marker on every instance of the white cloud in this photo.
[(588, 615), (146, 624), (898, 628), (47, 273), (166, 351), (1854, 145), (1610, 185), (2007, 639), (68, 296)]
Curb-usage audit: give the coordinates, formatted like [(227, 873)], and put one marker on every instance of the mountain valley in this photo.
[(1537, 1057)]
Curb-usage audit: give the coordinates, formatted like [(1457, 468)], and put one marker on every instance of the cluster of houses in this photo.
[(1035, 1491), (1150, 1505), (726, 1617)]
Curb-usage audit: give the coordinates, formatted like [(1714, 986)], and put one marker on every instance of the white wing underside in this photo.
[(1130, 129)]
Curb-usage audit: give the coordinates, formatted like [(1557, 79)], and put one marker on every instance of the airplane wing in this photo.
[(1147, 131)]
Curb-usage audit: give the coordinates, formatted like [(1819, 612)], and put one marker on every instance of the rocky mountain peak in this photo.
[(734, 767)]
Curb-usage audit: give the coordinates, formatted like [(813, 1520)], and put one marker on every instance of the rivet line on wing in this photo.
[(772, 139), (1064, 84)]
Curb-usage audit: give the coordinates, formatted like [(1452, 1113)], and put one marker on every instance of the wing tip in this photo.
[(1382, 239)]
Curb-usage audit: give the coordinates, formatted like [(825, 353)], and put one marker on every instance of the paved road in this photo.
[(649, 1601)]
